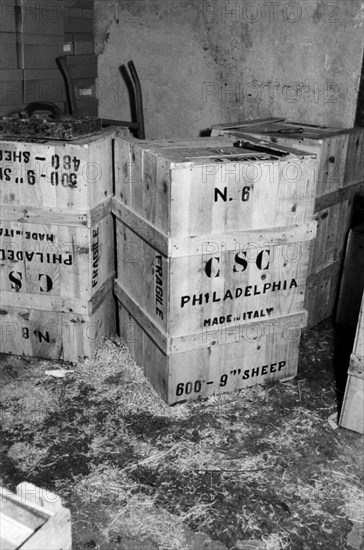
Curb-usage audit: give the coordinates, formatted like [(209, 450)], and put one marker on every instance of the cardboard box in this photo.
[(11, 87)]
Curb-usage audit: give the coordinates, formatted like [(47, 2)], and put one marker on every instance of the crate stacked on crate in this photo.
[(340, 180), (212, 257), (56, 246), (352, 411)]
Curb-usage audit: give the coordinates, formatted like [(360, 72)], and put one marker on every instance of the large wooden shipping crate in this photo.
[(212, 255), (208, 186), (340, 180), (56, 246)]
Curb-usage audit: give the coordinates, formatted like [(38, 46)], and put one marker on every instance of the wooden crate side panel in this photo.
[(321, 294), (201, 372), (221, 285), (51, 260), (82, 335), (227, 197), (143, 183), (355, 158), (144, 351), (333, 225), (73, 175), (52, 335)]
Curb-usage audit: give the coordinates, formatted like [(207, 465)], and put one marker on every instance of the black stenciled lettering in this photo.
[(16, 280), (222, 194)]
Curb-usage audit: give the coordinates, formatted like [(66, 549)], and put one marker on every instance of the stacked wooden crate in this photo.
[(352, 412), (340, 179), (56, 246), (212, 258)]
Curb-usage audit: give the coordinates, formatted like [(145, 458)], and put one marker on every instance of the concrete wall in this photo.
[(205, 62)]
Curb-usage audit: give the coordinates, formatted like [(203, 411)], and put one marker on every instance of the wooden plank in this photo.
[(256, 356), (13, 533), (352, 412), (58, 304), (333, 225), (192, 245), (358, 349), (203, 193)]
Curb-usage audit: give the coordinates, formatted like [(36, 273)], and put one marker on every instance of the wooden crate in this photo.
[(221, 360), (54, 264), (185, 284), (33, 519), (37, 332), (210, 187), (352, 411), (55, 176), (329, 144)]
